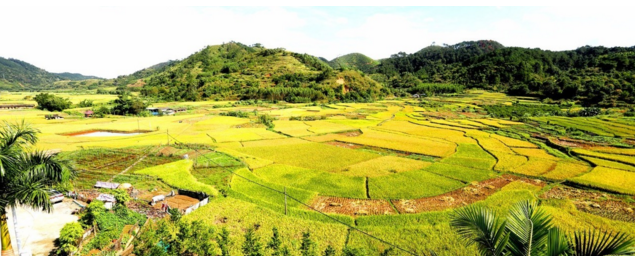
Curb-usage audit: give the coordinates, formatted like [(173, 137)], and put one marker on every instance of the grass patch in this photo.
[(177, 174), (310, 155), (412, 184)]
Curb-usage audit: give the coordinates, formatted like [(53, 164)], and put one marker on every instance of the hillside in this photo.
[(135, 79), (236, 71), (354, 61), (591, 74), (74, 76), (19, 75)]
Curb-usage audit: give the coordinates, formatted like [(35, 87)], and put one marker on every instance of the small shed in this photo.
[(109, 200), (109, 185), (88, 113)]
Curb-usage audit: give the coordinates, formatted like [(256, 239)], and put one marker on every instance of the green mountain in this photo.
[(354, 61), (136, 79), (74, 76), (19, 75), (590, 74), (236, 71)]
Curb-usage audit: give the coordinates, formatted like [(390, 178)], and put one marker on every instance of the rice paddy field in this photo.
[(395, 168)]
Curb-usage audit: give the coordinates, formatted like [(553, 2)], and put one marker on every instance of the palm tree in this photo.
[(25, 174), (528, 230)]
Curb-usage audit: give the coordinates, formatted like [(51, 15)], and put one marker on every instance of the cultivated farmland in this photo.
[(395, 168)]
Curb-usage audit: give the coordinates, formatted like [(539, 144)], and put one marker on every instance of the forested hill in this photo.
[(20, 75), (354, 61), (591, 74), (17, 74), (237, 71), (74, 76)]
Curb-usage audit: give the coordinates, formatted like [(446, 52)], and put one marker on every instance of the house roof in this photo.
[(106, 198), (103, 184), (89, 112)]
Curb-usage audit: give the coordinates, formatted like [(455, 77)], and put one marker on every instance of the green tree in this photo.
[(223, 242), (252, 246), (329, 251), (69, 237), (126, 104), (86, 103), (195, 238), (307, 247), (275, 242), (528, 230), (25, 175), (50, 102)]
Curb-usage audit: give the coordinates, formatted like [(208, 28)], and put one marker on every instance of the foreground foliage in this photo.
[(528, 230)]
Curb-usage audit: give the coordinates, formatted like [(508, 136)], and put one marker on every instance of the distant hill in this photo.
[(135, 79), (19, 75), (237, 71), (74, 76), (354, 61), (590, 74)]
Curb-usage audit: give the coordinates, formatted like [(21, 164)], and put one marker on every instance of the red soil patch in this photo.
[(353, 207), (474, 192), (597, 203), (179, 201), (351, 134), (568, 142), (343, 145), (167, 151), (196, 153)]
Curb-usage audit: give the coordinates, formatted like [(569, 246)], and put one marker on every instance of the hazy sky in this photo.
[(113, 41)]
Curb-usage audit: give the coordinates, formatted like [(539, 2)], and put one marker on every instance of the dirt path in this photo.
[(474, 192)]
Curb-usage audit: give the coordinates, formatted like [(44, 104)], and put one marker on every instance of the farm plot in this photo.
[(238, 215), (629, 160), (426, 131), (534, 153), (385, 165), (216, 159), (311, 155), (468, 195), (462, 173), (352, 207), (251, 161), (292, 128), (320, 127), (609, 179), (311, 180), (471, 155), (260, 193), (514, 143), (412, 184), (323, 138), (508, 162), (402, 143), (535, 167), (178, 174), (566, 169), (609, 164), (274, 142)]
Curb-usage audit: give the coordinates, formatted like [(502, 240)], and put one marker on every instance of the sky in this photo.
[(111, 41)]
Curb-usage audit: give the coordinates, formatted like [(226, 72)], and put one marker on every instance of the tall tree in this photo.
[(25, 175)]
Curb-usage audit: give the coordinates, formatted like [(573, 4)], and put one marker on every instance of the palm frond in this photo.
[(596, 243), (480, 226), (557, 243), (528, 226)]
